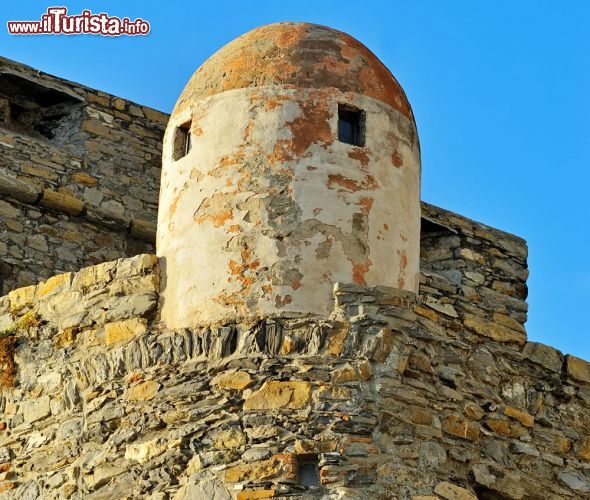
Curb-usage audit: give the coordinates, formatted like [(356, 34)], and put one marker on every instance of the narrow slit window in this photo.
[(182, 141), (4, 111), (351, 126)]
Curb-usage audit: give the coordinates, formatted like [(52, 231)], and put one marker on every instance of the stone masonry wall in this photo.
[(436, 396), (79, 175)]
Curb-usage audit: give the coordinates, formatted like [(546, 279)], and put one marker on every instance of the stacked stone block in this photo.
[(87, 194), (391, 396)]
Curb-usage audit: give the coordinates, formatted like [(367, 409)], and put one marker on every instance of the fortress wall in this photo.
[(76, 157), (37, 243), (485, 271), (435, 396), (392, 395)]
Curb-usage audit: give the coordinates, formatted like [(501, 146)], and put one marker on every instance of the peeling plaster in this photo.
[(269, 209), (299, 55)]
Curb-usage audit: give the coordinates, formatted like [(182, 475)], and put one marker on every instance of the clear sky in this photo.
[(500, 90)]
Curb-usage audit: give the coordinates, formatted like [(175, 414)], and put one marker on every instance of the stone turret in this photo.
[(290, 162)]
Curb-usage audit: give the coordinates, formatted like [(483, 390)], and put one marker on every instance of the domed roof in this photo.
[(299, 54)]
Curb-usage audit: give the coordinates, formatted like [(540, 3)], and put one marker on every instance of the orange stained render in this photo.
[(403, 262), (217, 216), (229, 299), (396, 159), (366, 204), (276, 139), (359, 269), (311, 126), (271, 102), (289, 37), (198, 115), (369, 183), (359, 154), (282, 302), (300, 55)]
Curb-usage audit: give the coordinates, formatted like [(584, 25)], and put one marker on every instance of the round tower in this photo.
[(291, 162)]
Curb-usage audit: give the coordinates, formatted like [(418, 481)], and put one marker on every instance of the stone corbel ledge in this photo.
[(67, 204)]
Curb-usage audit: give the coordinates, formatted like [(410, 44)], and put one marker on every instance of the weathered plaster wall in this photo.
[(270, 209), (392, 395), (84, 192)]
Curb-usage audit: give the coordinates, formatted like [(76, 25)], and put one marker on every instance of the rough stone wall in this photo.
[(436, 396), (486, 270), (79, 175)]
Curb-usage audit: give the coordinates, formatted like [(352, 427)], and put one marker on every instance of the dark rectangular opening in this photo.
[(351, 125), (182, 141), (430, 226), (39, 109), (308, 470), (4, 111)]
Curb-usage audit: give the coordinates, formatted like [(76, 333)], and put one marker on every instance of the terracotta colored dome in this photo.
[(298, 54)]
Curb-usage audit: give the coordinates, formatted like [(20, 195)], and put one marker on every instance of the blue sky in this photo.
[(500, 90)]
